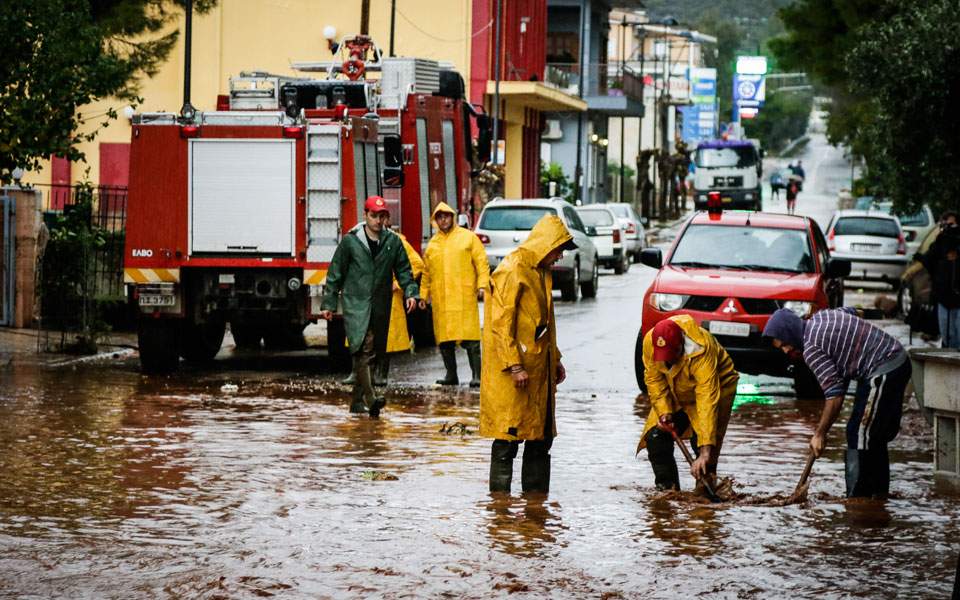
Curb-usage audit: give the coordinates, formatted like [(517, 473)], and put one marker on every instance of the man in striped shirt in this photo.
[(839, 347)]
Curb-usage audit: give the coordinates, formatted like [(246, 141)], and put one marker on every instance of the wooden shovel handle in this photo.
[(806, 471), (686, 454)]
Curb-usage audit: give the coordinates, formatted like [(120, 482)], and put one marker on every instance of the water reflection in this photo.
[(524, 525)]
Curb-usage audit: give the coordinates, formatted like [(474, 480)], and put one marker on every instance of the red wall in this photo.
[(523, 37), (114, 164)]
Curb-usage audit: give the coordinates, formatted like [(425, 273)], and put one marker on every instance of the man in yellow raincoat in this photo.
[(521, 365), (398, 336), (457, 273), (691, 383)]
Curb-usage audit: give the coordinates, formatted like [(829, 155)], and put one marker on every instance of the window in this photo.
[(822, 250), (424, 169), (359, 177), (449, 165), (513, 218), (730, 156), (573, 219), (866, 226), (372, 161), (596, 218), (621, 210), (747, 248)]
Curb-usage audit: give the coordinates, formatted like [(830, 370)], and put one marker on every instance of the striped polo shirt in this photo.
[(839, 347)]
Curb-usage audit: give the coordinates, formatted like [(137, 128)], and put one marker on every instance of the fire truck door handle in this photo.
[(301, 199), (436, 163)]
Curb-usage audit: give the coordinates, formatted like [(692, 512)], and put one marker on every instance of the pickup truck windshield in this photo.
[(747, 248), (733, 156), (513, 218)]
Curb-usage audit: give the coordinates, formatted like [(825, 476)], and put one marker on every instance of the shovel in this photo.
[(711, 495), (801, 490)]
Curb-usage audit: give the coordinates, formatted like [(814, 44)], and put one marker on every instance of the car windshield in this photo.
[(513, 218), (917, 219), (620, 210), (596, 218), (744, 247), (866, 226), (732, 156)]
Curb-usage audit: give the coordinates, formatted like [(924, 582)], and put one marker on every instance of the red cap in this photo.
[(667, 341), (375, 204)]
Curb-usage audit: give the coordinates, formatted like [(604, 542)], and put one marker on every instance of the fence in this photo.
[(81, 276)]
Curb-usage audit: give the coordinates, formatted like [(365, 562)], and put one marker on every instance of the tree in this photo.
[(784, 117), (64, 54), (728, 35), (554, 173)]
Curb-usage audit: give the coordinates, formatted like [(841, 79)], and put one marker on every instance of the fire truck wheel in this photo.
[(245, 336), (284, 337), (638, 367), (337, 350), (158, 342), (200, 342)]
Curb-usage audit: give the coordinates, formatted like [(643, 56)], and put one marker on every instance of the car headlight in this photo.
[(668, 302), (801, 309)]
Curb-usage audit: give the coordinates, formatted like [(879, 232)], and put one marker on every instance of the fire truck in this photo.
[(234, 214)]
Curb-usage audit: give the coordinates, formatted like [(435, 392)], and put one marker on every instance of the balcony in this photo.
[(610, 88)]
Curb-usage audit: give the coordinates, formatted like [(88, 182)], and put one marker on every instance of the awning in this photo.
[(537, 95)]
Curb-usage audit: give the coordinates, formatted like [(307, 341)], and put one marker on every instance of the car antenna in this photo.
[(748, 219)]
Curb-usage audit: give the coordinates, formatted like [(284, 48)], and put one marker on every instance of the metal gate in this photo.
[(7, 232)]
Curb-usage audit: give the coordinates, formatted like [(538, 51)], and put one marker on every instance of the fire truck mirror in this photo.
[(392, 177), (392, 151), (484, 136)]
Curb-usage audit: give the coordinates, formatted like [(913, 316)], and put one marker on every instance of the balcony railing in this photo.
[(607, 79)]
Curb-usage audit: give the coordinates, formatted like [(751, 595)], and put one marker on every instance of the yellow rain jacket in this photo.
[(456, 267), (398, 336), (702, 384), (519, 328)]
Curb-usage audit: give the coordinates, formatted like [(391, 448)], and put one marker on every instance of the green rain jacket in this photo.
[(365, 285)]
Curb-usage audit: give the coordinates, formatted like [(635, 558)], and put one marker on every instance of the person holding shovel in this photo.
[(691, 383), (838, 346)]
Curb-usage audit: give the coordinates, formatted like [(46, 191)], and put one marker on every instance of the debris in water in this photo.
[(378, 476), (229, 388), (457, 428)]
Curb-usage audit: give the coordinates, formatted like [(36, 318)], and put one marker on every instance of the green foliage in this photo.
[(729, 36), (60, 55), (554, 172), (784, 117)]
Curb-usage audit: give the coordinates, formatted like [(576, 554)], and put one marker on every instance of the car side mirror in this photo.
[(838, 267), (392, 177), (392, 151), (591, 230), (652, 257), (644, 221)]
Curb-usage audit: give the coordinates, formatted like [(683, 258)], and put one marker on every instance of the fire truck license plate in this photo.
[(728, 328), (156, 300)]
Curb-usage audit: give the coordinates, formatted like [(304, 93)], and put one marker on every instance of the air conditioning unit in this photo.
[(553, 130)]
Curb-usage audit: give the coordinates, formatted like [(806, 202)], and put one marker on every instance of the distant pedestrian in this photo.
[(360, 279), (793, 189), (521, 364), (838, 347), (456, 275), (942, 261), (776, 184), (797, 170)]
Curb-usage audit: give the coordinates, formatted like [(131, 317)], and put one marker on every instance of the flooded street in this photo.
[(113, 484)]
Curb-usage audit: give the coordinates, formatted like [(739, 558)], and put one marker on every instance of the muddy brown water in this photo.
[(117, 485)]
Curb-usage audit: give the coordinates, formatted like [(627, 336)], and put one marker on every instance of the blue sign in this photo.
[(700, 116), (749, 91)]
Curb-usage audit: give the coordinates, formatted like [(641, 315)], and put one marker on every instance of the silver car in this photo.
[(872, 241), (608, 234), (504, 224), (634, 224)]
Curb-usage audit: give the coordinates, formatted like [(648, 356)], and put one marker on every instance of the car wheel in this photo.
[(905, 300), (618, 268), (638, 367), (571, 289), (636, 256), (589, 288)]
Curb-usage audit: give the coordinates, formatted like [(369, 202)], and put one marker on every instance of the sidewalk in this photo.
[(21, 346)]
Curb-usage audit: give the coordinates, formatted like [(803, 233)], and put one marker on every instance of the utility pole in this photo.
[(187, 111), (577, 176), (365, 17), (623, 117), (393, 24), (496, 84)]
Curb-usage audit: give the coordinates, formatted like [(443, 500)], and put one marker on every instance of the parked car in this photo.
[(634, 225), (731, 271), (872, 241), (915, 225), (915, 301), (608, 235), (504, 224)]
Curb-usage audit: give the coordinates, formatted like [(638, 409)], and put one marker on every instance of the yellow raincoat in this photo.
[(519, 328), (456, 267), (398, 337), (703, 384)]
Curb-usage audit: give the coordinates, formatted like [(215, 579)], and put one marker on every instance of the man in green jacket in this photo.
[(361, 275)]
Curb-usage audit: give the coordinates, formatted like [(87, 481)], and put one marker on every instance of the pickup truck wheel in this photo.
[(571, 290), (638, 367), (158, 341), (200, 342)]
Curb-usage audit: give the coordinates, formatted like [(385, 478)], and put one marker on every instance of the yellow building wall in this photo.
[(267, 35)]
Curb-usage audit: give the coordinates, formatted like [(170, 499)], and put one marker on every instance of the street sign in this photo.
[(700, 117), (752, 65)]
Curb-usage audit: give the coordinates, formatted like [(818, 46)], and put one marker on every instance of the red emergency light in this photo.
[(714, 203), (189, 131), (340, 111), (293, 132)]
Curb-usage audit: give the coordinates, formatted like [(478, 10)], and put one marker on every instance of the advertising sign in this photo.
[(700, 117)]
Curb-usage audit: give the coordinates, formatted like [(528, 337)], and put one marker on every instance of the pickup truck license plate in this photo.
[(728, 328), (156, 300)]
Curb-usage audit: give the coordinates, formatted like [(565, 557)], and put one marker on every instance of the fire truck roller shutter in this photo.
[(242, 196)]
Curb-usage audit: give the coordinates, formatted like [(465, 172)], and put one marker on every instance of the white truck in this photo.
[(730, 169)]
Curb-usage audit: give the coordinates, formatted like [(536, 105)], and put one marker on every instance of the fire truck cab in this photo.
[(235, 214)]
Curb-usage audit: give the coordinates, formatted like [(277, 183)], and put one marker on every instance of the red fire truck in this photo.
[(234, 214)]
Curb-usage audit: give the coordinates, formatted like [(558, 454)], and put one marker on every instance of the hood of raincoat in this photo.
[(785, 326), (443, 207), (546, 236)]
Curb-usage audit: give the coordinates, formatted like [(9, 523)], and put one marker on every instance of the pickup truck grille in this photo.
[(732, 181), (703, 303), (758, 306)]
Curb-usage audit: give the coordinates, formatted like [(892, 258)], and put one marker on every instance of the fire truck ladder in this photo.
[(323, 192)]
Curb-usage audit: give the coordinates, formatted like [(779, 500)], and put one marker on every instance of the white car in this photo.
[(872, 241), (634, 224), (608, 235), (504, 224)]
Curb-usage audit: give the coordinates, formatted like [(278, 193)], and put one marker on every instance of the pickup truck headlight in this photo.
[(668, 302), (801, 309)]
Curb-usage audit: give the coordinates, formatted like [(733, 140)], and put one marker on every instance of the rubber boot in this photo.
[(535, 476), (448, 353), (856, 469), (357, 406), (382, 372), (350, 379), (879, 472), (362, 389), (502, 454), (660, 452), (378, 403), (473, 355)]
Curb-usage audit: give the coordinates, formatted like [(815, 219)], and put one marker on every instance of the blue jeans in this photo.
[(949, 319)]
